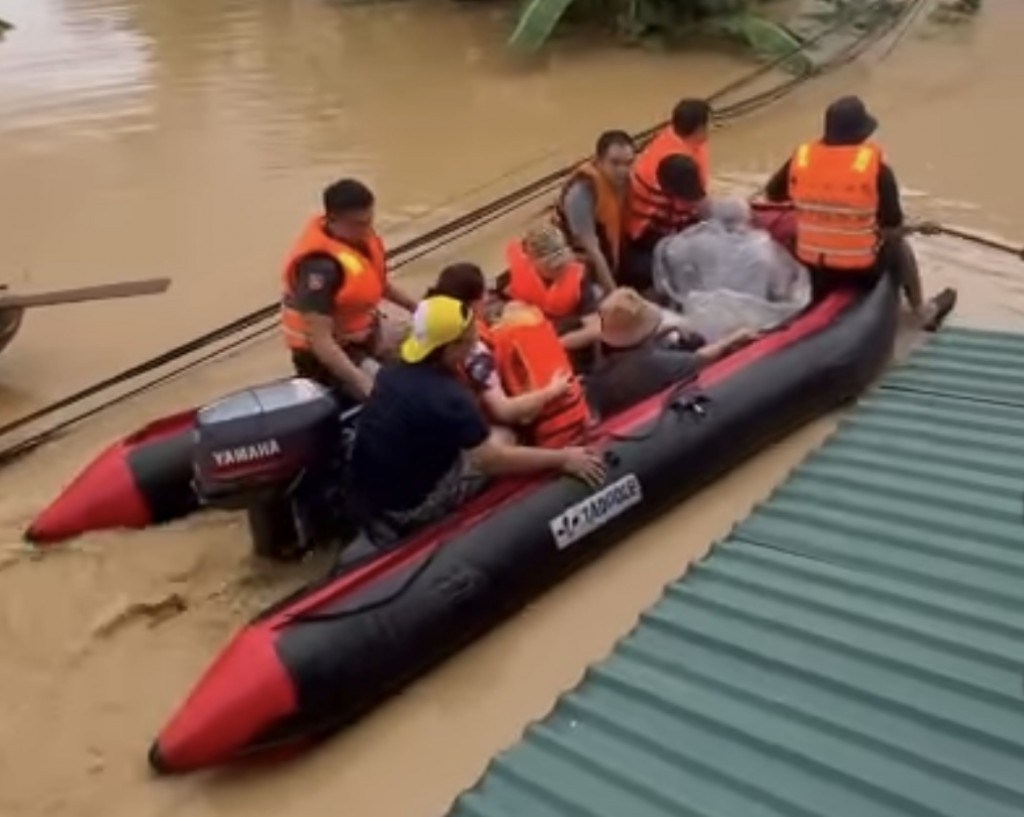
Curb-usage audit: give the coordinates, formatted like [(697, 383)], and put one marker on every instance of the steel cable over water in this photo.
[(446, 233)]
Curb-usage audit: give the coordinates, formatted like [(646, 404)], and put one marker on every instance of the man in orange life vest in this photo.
[(334, 282), (591, 209), (850, 222), (654, 212)]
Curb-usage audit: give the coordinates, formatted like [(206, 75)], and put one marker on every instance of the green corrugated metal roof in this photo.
[(855, 648)]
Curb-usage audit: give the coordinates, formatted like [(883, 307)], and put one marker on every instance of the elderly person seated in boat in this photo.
[(544, 272), (506, 400), (726, 273), (423, 446), (645, 349)]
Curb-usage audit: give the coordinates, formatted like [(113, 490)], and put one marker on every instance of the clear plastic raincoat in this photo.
[(725, 274)]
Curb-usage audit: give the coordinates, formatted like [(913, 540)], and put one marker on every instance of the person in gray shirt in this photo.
[(591, 209), (644, 350)]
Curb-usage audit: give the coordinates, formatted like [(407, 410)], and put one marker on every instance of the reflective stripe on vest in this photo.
[(358, 297), (529, 355), (835, 191), (557, 299)]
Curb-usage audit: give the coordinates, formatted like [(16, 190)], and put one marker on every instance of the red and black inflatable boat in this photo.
[(146, 478), (326, 654), (140, 480)]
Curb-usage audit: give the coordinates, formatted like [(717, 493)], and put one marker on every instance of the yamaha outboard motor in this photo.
[(278, 451)]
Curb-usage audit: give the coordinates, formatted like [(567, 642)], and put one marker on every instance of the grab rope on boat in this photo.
[(982, 241), (444, 234)]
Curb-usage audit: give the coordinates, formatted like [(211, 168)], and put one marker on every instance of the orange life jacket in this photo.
[(835, 191), (356, 301), (557, 299), (609, 215), (650, 207), (528, 355)]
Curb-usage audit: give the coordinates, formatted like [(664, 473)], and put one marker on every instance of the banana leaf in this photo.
[(537, 22), (766, 38)]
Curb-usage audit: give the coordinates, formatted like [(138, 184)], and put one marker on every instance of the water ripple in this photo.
[(81, 69)]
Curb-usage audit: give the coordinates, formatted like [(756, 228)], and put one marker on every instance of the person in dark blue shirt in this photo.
[(423, 446)]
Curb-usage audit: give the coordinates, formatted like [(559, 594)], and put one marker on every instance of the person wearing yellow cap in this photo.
[(423, 446)]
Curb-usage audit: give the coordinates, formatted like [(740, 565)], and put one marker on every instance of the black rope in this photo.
[(991, 243), (437, 237)]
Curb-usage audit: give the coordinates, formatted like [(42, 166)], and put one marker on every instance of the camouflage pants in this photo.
[(458, 486)]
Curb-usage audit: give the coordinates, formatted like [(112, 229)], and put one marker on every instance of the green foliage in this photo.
[(4, 26), (668, 20), (537, 22), (765, 37)]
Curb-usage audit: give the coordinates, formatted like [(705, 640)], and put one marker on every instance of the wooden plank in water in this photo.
[(100, 292)]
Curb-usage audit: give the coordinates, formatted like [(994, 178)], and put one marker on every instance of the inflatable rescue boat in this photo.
[(146, 478), (142, 479), (321, 657)]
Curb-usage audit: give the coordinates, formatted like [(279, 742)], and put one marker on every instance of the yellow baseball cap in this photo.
[(438, 321)]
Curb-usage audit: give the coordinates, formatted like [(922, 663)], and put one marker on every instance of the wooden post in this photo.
[(101, 292)]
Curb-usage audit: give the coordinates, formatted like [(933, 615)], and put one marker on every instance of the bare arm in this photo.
[(728, 344), (495, 458), (523, 408), (329, 352), (318, 279), (585, 336), (399, 296), (580, 207), (603, 273)]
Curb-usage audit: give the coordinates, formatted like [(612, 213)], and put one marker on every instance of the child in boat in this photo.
[(465, 282), (518, 369), (644, 349), (423, 446)]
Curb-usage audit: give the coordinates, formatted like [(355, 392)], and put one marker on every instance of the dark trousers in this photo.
[(308, 365), (895, 258)]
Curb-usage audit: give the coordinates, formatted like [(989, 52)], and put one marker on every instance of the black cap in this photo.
[(847, 121)]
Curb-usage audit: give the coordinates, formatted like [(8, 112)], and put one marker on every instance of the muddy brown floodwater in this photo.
[(190, 138)]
